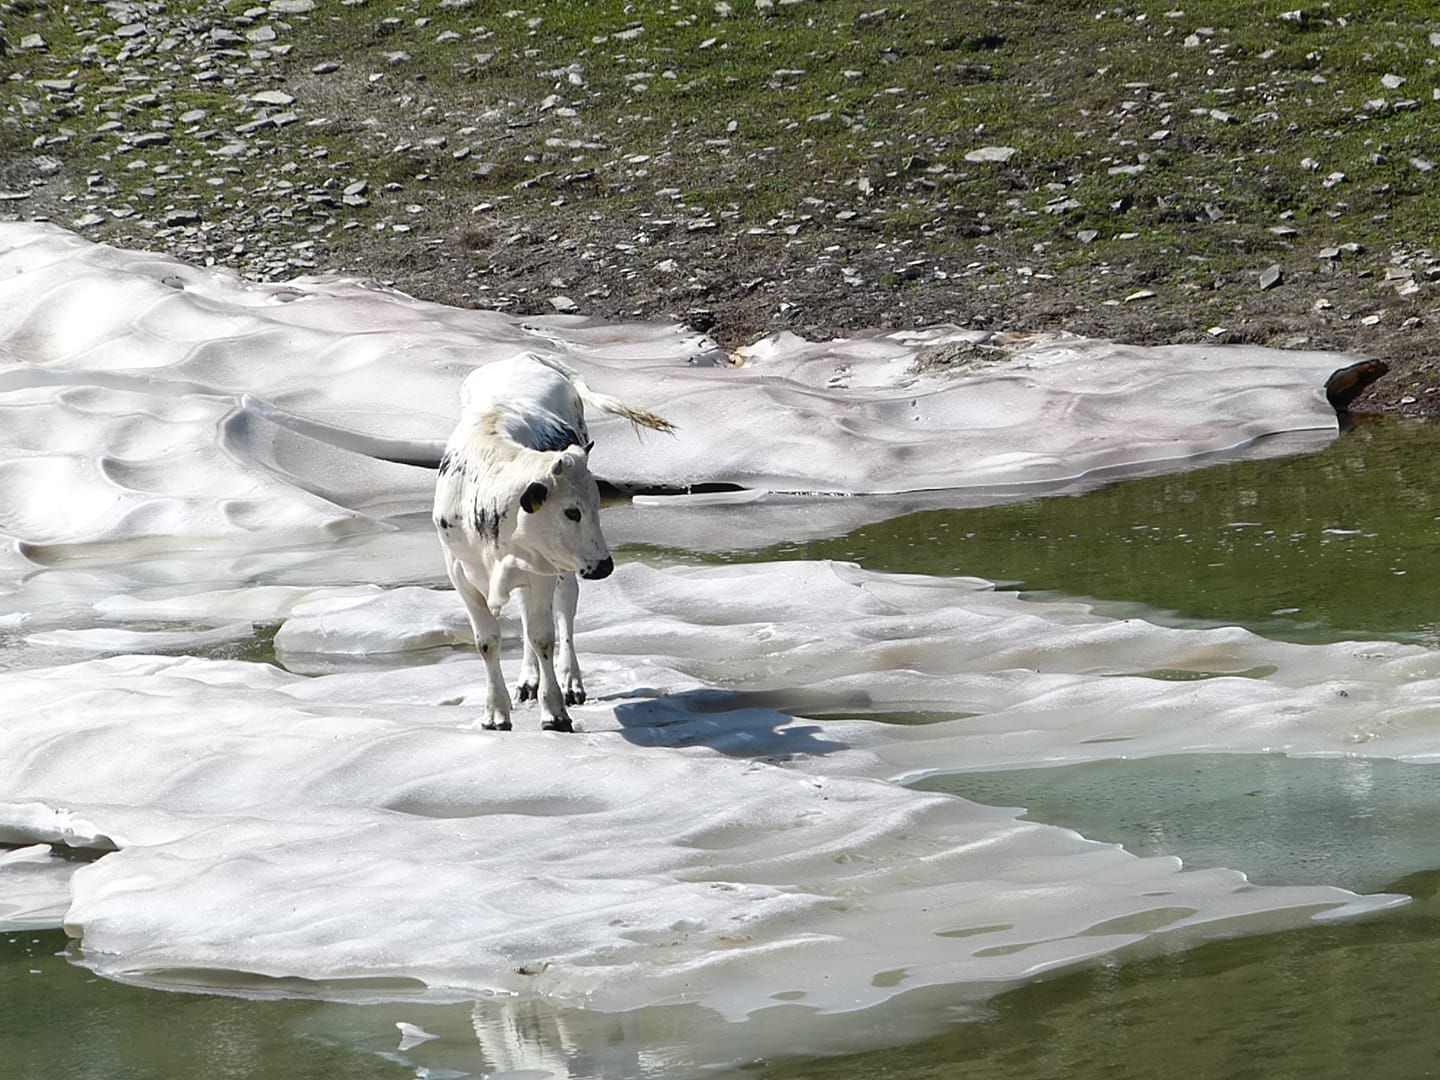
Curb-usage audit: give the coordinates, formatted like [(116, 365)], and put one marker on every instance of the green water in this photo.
[(1337, 544), (59, 1022), (1328, 1003), (1331, 545)]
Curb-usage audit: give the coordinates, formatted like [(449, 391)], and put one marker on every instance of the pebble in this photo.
[(1272, 276), (997, 154)]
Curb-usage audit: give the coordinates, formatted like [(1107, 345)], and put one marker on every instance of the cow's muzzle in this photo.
[(601, 569)]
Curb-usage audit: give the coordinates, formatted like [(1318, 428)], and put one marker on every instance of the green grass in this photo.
[(762, 120)]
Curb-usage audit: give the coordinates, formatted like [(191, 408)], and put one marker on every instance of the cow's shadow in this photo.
[(736, 724)]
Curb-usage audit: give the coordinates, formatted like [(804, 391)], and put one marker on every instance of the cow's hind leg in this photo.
[(487, 643), (567, 597), (538, 615)]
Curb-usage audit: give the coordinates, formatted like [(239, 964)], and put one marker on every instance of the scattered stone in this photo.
[(291, 7), (181, 217), (272, 97), (997, 154), (1140, 294), (325, 67), (1392, 82), (564, 305), (1271, 276), (89, 221), (33, 41)]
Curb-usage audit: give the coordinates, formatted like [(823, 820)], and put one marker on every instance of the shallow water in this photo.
[(1319, 548)]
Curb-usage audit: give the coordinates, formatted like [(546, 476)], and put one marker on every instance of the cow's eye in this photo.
[(573, 514)]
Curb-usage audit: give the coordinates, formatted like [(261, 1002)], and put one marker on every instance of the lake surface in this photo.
[(1331, 546)]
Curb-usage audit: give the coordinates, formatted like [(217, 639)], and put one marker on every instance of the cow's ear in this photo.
[(559, 466), (534, 497)]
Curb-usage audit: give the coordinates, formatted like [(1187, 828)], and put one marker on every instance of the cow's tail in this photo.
[(639, 418)]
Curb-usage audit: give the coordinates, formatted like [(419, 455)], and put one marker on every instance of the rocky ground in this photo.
[(787, 165)]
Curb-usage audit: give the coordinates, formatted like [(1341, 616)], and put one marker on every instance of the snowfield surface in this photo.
[(227, 668)]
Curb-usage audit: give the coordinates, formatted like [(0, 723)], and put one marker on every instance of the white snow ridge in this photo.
[(197, 480)]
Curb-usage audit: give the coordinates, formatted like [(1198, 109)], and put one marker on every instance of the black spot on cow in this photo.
[(447, 463), (487, 521), (553, 434)]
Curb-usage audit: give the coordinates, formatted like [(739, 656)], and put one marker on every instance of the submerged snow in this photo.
[(191, 464)]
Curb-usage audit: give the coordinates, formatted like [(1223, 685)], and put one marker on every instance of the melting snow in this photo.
[(187, 457)]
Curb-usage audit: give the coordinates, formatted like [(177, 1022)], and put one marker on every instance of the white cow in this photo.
[(517, 508)]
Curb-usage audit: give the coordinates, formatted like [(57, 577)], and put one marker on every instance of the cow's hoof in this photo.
[(527, 691), (491, 725), (575, 697), (560, 723)]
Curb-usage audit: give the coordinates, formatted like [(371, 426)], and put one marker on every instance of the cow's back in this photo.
[(533, 403)]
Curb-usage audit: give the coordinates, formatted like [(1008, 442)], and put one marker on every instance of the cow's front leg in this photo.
[(538, 617), (567, 598), (528, 689), (487, 642)]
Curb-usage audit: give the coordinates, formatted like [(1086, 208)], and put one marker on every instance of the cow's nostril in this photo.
[(602, 569)]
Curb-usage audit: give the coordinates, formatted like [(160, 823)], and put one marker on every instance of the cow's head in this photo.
[(557, 530)]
